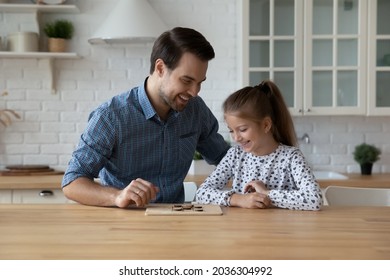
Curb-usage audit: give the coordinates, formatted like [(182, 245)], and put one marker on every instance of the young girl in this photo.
[(266, 167)]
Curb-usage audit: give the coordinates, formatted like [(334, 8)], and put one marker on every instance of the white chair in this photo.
[(189, 191), (353, 196)]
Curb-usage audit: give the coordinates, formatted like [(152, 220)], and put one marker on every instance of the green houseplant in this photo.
[(197, 156), (366, 155), (58, 31), (199, 166)]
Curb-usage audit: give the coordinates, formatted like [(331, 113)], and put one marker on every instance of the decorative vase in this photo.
[(57, 45), (366, 168)]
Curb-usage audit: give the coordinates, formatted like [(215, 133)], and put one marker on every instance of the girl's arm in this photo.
[(307, 196), (211, 191)]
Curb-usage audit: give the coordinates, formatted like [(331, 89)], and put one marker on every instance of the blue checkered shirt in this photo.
[(125, 140)]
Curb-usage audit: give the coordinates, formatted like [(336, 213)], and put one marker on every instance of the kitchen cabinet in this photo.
[(273, 46), (318, 53), (379, 58), (45, 196), (33, 196), (5, 196), (37, 9), (45, 189)]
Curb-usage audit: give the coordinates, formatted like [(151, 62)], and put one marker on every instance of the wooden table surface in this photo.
[(84, 232)]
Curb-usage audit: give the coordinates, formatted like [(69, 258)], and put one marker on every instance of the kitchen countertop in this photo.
[(31, 182), (380, 180)]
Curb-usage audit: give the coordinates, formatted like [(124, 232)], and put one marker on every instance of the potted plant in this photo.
[(199, 166), (58, 32), (366, 155)]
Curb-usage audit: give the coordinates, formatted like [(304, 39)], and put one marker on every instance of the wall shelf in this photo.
[(42, 55), (65, 55), (30, 8), (49, 56)]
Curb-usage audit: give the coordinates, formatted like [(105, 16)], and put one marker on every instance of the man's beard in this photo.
[(171, 103)]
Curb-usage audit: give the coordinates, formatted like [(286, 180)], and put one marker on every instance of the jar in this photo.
[(22, 42)]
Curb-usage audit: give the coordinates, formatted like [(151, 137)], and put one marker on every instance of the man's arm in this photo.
[(89, 192)]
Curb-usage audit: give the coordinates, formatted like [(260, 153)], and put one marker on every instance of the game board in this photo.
[(183, 210)]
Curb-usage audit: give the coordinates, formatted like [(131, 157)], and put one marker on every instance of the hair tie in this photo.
[(263, 87)]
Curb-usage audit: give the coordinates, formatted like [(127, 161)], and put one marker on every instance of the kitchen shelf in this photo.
[(30, 8), (38, 9), (38, 55), (50, 56)]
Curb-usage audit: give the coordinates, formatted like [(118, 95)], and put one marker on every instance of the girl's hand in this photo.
[(256, 186), (250, 200), (255, 196)]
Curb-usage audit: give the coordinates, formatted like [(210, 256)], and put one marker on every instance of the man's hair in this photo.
[(172, 44)]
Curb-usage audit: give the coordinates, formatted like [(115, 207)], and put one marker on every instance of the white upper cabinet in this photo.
[(335, 57), (317, 52), (273, 46), (379, 58)]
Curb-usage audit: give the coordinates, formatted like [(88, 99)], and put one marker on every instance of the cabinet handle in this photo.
[(45, 193)]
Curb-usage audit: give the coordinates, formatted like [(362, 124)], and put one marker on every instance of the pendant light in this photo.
[(131, 21)]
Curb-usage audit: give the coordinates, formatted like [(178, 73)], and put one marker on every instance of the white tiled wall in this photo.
[(51, 123)]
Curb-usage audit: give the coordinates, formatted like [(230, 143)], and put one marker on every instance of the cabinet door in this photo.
[(335, 55), (315, 50), (379, 58), (272, 46), (47, 196), (5, 196)]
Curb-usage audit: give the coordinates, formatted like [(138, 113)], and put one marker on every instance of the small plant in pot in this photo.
[(199, 166), (58, 32), (366, 155)]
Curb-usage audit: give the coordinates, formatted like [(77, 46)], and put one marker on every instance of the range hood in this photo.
[(131, 21)]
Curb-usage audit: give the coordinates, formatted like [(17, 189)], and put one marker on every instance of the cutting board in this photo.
[(28, 170), (168, 210)]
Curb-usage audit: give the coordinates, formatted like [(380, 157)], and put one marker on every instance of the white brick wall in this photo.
[(51, 124)]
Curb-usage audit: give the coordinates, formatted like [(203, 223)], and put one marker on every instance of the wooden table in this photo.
[(85, 232)]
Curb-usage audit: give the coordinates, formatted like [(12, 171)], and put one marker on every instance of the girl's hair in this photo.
[(172, 44), (264, 100)]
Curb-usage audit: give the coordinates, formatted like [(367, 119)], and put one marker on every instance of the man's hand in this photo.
[(138, 192)]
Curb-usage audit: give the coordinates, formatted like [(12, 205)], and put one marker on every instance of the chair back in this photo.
[(189, 191), (353, 196)]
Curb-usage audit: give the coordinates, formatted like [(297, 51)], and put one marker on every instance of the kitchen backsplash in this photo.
[(51, 124)]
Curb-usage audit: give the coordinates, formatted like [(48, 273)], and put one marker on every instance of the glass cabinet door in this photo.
[(379, 78), (315, 51), (273, 43), (334, 67)]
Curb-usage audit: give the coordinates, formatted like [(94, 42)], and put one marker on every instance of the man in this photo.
[(140, 144)]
